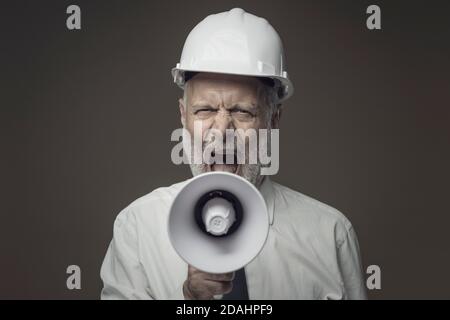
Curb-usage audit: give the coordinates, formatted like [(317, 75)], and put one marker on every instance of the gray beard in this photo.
[(250, 172)]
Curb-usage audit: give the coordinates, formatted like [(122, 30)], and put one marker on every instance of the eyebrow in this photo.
[(200, 105), (245, 106)]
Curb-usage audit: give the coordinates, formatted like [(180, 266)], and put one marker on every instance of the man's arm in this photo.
[(121, 272), (124, 278), (350, 266)]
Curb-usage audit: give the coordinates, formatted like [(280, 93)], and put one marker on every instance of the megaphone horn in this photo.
[(218, 222)]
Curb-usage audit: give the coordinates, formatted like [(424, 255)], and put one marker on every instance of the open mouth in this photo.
[(223, 165)]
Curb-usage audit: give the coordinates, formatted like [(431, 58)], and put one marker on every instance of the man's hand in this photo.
[(200, 285)]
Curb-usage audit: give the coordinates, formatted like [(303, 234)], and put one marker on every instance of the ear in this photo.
[(182, 111), (276, 117)]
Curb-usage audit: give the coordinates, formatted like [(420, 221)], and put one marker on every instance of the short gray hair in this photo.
[(268, 97)]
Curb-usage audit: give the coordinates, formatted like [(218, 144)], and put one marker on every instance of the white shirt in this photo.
[(311, 251)]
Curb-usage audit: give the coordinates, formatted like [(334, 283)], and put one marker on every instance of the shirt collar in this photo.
[(268, 192)]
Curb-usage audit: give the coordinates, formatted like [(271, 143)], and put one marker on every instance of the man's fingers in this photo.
[(219, 287), (203, 285), (211, 276), (228, 287), (219, 276)]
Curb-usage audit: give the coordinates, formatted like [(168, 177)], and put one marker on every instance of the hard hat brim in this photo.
[(286, 84)]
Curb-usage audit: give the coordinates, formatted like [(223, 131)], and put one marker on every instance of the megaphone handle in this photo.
[(218, 297)]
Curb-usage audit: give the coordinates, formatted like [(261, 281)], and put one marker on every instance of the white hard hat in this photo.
[(235, 42)]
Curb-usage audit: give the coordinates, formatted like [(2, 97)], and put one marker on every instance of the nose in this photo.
[(223, 121)]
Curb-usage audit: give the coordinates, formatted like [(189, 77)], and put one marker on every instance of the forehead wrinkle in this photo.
[(203, 95), (223, 92)]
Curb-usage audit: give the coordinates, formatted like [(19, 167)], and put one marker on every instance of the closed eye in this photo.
[(204, 110), (242, 111)]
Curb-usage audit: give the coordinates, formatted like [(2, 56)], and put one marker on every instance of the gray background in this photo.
[(86, 118)]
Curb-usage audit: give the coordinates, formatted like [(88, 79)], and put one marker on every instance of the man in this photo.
[(233, 73)]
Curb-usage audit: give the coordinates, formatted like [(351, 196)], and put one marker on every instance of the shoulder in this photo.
[(153, 205), (158, 196), (311, 215)]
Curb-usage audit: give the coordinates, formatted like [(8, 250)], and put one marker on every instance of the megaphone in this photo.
[(218, 222)]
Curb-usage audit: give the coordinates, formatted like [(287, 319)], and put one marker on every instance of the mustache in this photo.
[(219, 147), (217, 154), (218, 151)]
